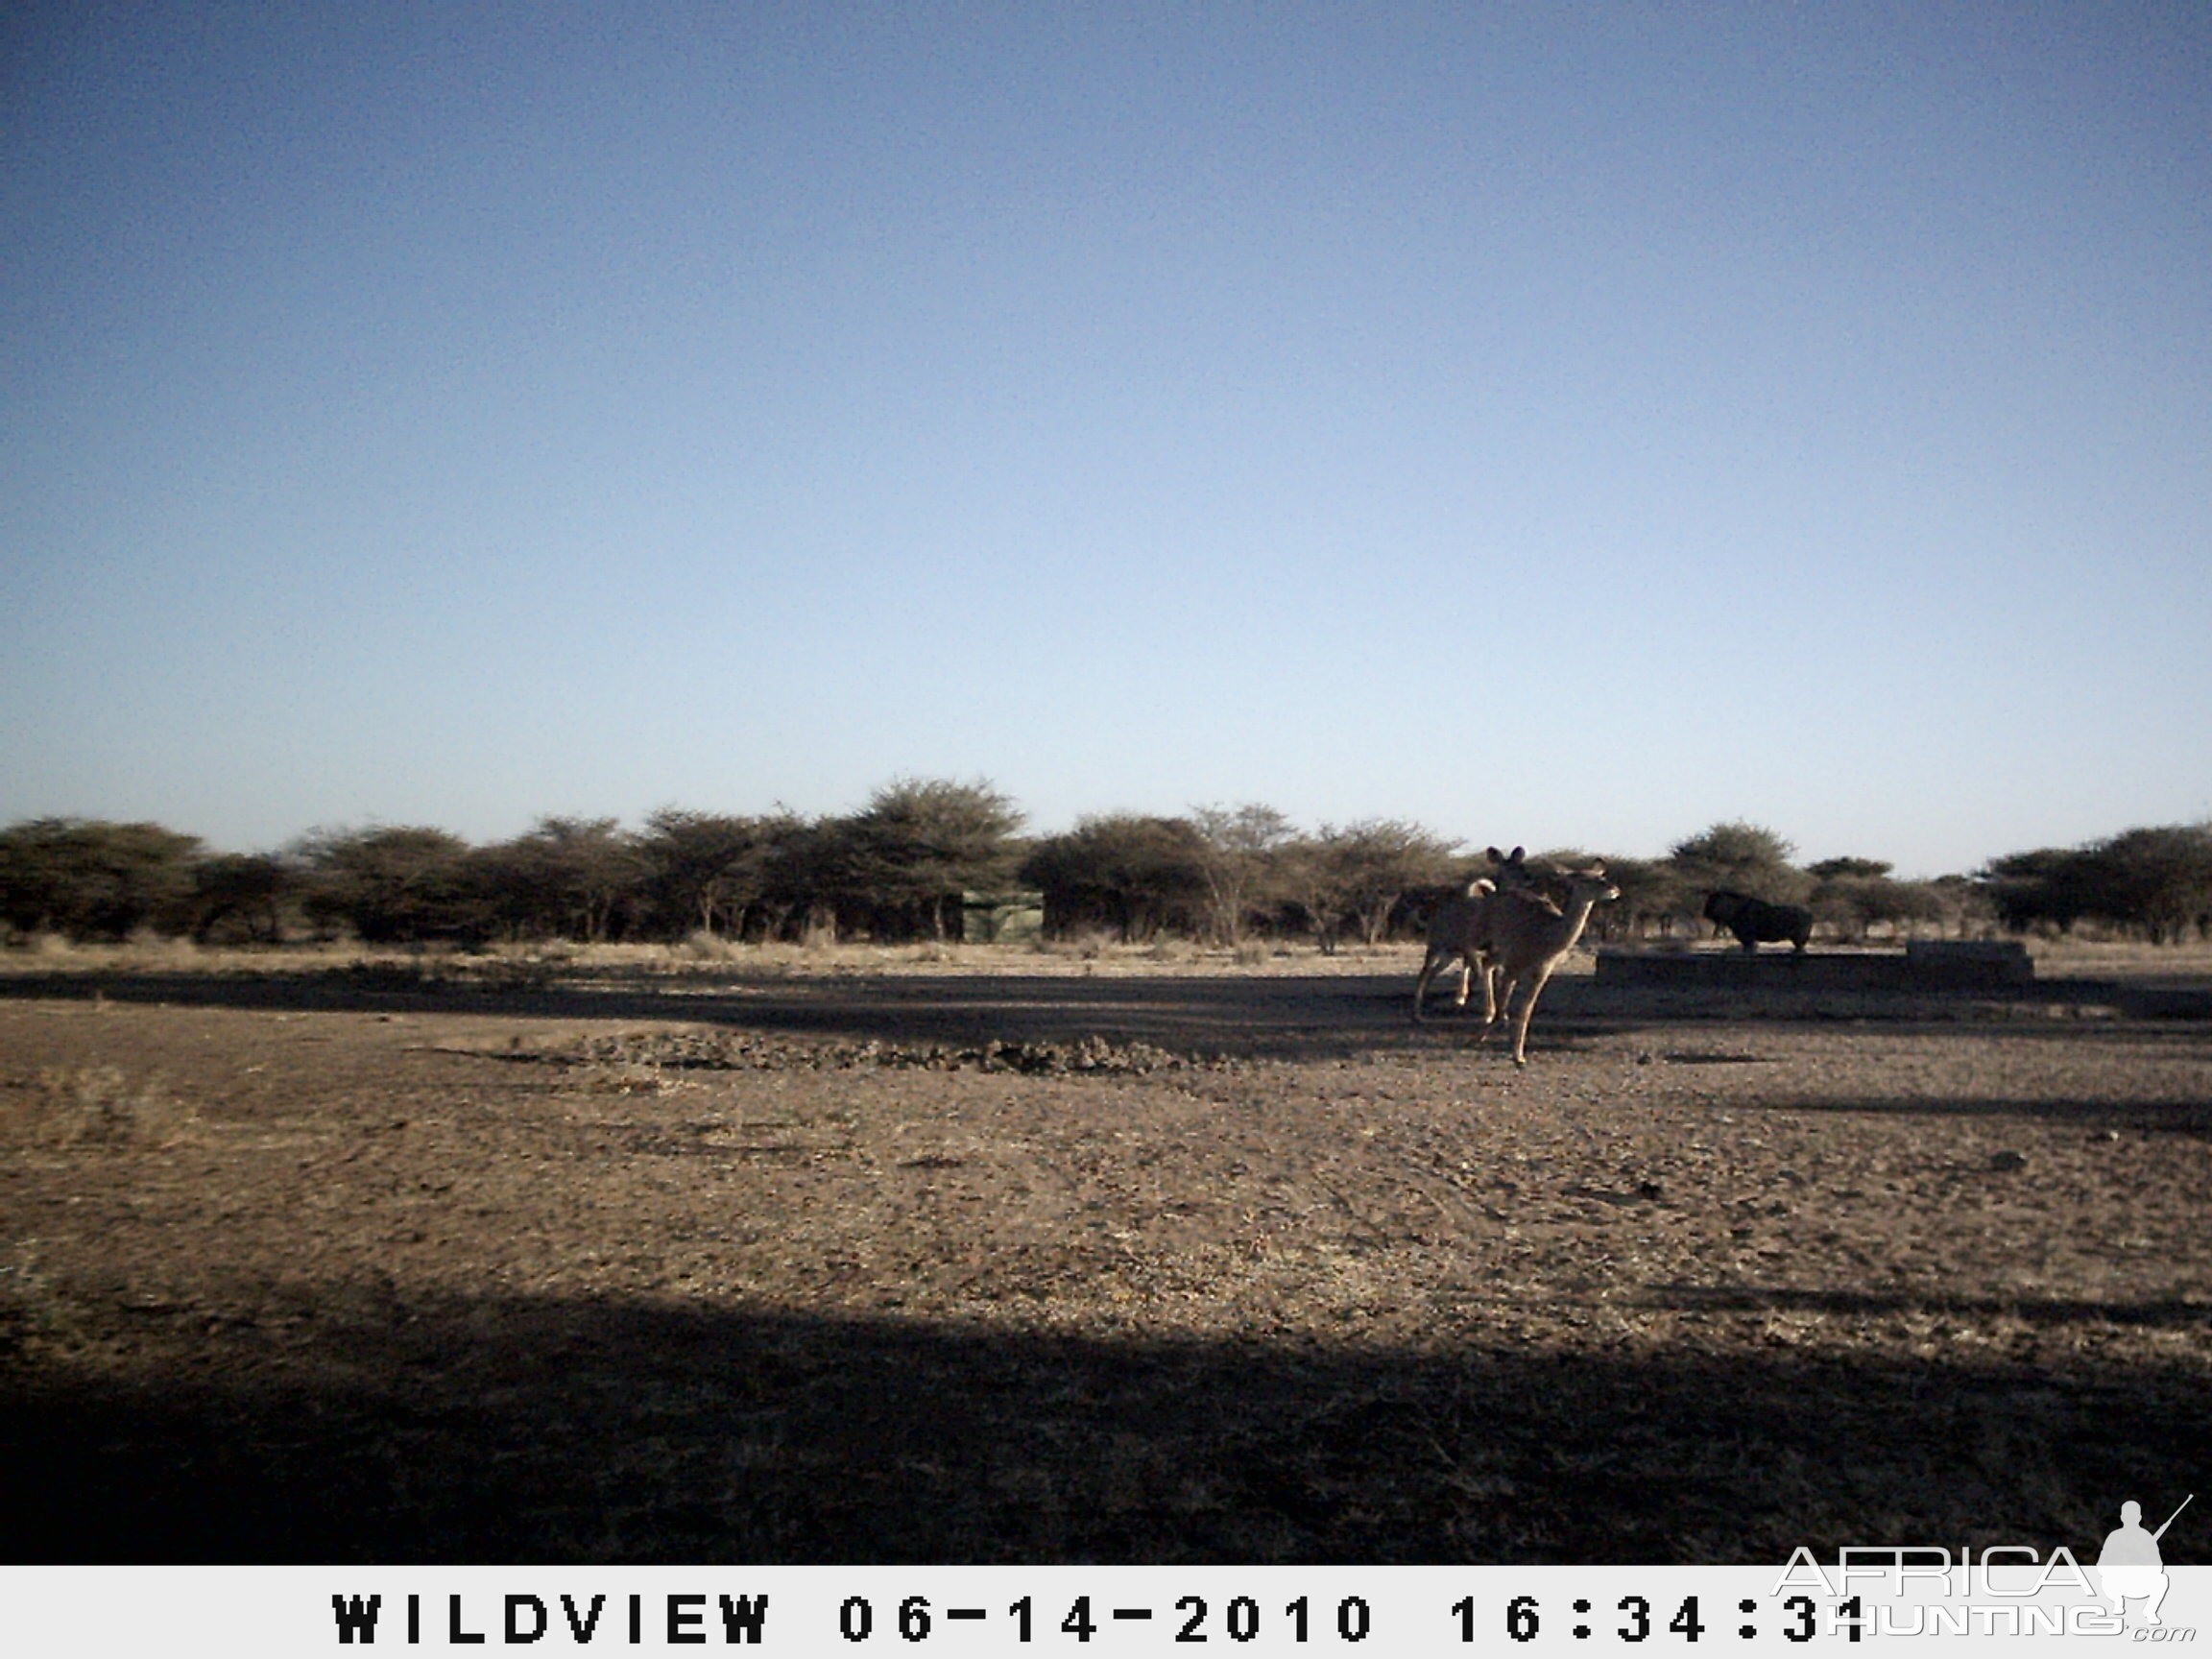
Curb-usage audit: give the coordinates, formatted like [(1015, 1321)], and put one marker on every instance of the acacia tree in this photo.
[(1852, 894), (1963, 905), (1359, 872), (1653, 897), (396, 884), (570, 877), (1855, 895), (91, 878), (919, 845), (1849, 869), (2046, 886), (806, 874), (703, 870), (1743, 857), (1236, 856), (2159, 880), (243, 893), (2156, 879), (1121, 869)]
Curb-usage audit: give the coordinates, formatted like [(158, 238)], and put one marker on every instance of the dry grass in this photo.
[(98, 1104), (32, 1309), (2122, 959), (698, 957)]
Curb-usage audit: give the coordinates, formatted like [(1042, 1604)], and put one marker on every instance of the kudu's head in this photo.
[(1589, 885)]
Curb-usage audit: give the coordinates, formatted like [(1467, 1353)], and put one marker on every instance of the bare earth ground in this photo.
[(1006, 1259)]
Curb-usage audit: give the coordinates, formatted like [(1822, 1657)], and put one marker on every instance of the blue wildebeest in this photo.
[(1754, 919)]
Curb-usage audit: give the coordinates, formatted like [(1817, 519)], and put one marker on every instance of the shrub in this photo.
[(398, 885), (92, 879)]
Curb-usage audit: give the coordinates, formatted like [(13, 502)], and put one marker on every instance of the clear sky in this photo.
[(1569, 425)]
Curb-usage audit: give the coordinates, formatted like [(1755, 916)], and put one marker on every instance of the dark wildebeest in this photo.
[(1753, 920)]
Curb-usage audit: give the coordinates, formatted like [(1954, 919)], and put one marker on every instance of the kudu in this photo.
[(1525, 939), (1459, 930)]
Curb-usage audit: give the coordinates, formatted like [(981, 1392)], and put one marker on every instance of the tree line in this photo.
[(936, 859)]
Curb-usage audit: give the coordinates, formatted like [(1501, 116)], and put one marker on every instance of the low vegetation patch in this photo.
[(739, 1052)]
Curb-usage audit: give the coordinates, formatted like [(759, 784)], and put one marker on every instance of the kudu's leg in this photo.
[(1429, 964), (1495, 993), (1527, 1009)]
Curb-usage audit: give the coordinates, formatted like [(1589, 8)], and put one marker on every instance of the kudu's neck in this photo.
[(1577, 913)]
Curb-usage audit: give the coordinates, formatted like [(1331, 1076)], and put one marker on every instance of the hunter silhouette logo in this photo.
[(2131, 1565), (2012, 1590)]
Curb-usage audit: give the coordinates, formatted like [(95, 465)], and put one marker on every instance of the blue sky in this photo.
[(1562, 424)]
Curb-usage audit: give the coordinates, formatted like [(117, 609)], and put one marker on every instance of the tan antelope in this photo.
[(1525, 938), (1459, 930)]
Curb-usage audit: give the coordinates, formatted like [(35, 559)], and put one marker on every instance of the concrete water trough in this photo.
[(1923, 965)]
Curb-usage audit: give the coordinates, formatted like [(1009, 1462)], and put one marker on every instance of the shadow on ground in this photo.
[(565, 1432), (1261, 1017), (1289, 1016)]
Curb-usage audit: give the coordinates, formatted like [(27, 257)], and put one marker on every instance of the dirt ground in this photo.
[(998, 1263)]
